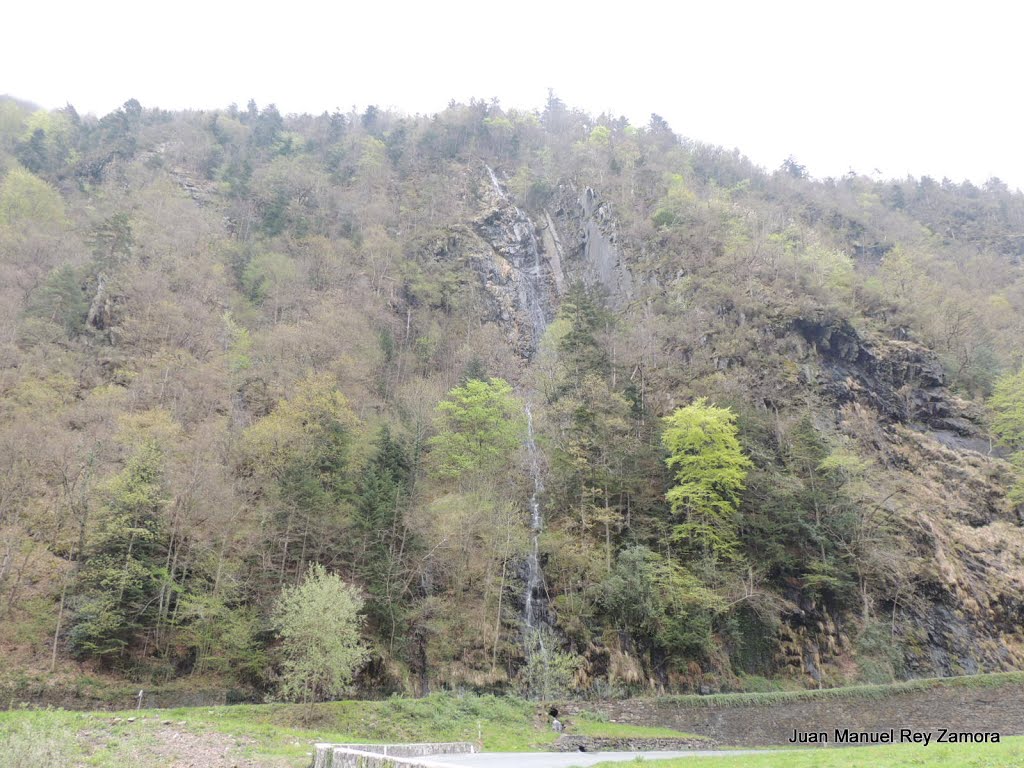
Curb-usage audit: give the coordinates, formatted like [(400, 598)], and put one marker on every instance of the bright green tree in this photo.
[(319, 623), (710, 469), (26, 199), (1007, 404), (479, 425)]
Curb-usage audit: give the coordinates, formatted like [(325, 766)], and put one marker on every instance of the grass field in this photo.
[(274, 734), (1009, 753), (281, 735)]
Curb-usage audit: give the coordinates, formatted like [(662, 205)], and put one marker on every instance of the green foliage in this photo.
[(61, 300), (879, 656), (12, 121), (1007, 406), (266, 277), (319, 625), (239, 353), (222, 633), (673, 208), (112, 240), (1008, 752), (384, 486), (116, 588), (354, 245), (27, 200), (709, 467), (300, 456), (29, 744), (658, 601), (579, 347), (475, 369), (549, 672), (47, 142), (872, 692), (379, 515), (310, 433), (281, 734), (479, 425)]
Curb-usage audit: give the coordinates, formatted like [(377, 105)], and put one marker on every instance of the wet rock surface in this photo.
[(515, 267)]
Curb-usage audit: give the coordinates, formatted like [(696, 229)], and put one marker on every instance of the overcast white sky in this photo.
[(903, 87)]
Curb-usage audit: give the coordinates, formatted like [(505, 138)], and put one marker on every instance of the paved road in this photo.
[(568, 759)]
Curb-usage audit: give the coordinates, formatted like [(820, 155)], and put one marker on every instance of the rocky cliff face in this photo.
[(962, 602), (965, 593), (526, 262), (520, 274), (901, 380), (585, 235)]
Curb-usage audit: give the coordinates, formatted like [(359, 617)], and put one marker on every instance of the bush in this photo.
[(319, 623), (550, 673)]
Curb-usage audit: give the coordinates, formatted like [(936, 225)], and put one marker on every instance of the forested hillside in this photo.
[(578, 406)]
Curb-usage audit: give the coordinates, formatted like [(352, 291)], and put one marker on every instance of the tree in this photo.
[(793, 168), (549, 672), (299, 456), (26, 199), (1007, 404), (384, 491), (61, 300), (319, 623), (710, 469), (119, 581), (580, 349), (267, 279), (479, 425), (659, 603)]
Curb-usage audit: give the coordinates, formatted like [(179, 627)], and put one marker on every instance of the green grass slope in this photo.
[(277, 734)]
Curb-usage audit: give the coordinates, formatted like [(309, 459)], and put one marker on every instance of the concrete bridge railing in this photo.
[(388, 755)]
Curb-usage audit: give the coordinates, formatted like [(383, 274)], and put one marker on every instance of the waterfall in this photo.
[(495, 183), (531, 296), (536, 600)]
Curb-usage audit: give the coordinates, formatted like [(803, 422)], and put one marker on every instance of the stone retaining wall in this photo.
[(569, 743), (998, 708)]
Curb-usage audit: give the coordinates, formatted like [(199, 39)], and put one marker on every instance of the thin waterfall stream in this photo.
[(535, 599)]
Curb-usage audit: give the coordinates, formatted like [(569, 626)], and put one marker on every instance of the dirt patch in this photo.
[(168, 745), (179, 748)]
